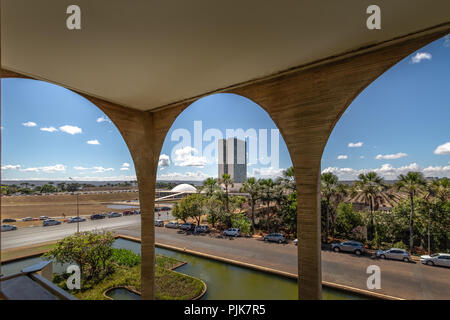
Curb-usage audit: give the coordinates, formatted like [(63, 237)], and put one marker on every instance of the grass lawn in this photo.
[(170, 285), (15, 253)]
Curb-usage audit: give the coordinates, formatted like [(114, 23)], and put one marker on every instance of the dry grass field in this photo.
[(18, 207)]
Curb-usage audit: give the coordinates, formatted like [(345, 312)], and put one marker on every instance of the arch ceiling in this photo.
[(146, 54)]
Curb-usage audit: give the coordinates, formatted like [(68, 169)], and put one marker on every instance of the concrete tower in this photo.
[(233, 159)]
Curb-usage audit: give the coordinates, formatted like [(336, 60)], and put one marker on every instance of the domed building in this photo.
[(184, 187)]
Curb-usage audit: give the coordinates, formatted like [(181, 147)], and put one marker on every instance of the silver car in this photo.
[(233, 232), (349, 246), (394, 254), (8, 227), (114, 215), (50, 222), (437, 259), (275, 237)]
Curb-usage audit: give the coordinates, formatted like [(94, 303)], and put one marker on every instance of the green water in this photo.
[(224, 281), (122, 294)]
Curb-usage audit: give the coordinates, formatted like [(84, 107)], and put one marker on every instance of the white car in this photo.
[(296, 241), (8, 227), (233, 232), (43, 218), (437, 259), (114, 215)]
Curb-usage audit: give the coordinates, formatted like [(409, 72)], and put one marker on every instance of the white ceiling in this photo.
[(145, 54)]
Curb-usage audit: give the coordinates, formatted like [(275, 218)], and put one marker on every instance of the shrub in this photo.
[(125, 257)]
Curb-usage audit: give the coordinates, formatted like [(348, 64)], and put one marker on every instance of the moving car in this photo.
[(202, 229), (114, 215), (9, 220), (349, 246), (97, 216), (159, 223), (233, 232), (275, 237), (187, 226), (50, 222), (395, 254), (436, 259), (128, 213), (27, 219), (8, 227), (43, 218), (172, 225), (76, 219)]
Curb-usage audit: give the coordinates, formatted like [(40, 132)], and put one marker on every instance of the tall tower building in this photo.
[(233, 159)]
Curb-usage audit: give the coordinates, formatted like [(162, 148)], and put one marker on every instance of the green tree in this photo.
[(48, 188), (412, 184), (91, 251), (267, 196), (239, 220), (347, 219), (210, 186), (252, 187), (289, 213), (372, 188), (329, 183), (288, 179), (191, 206), (227, 182)]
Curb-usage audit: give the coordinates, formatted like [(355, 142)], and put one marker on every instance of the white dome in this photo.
[(184, 187)]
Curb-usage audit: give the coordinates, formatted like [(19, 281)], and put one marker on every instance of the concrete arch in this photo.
[(305, 103)]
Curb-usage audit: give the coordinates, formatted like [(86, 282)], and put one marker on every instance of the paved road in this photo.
[(406, 280)]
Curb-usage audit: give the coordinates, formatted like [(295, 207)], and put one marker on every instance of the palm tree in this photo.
[(251, 187), (412, 183), (210, 185), (329, 182), (227, 182), (288, 179), (371, 186), (440, 188), (266, 196)]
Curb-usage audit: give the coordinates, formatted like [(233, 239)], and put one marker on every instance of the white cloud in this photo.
[(391, 156), (389, 172), (443, 149), (103, 119), (126, 165), (447, 41), (355, 145), (70, 129), (164, 160), (268, 172), (124, 169), (342, 157), (81, 168), (46, 169), (49, 129), (361, 157), (184, 158), (101, 169), (93, 142), (11, 167), (419, 56), (29, 124), (192, 176)]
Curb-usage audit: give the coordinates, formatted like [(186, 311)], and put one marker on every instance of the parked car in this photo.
[(275, 237), (436, 259), (8, 227), (43, 218), (9, 220), (187, 226), (296, 241), (202, 229), (137, 211), (349, 246), (233, 232), (172, 225), (76, 219), (114, 214), (395, 254), (128, 213), (27, 219), (159, 223), (50, 222), (97, 216)]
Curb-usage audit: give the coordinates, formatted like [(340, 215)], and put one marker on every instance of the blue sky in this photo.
[(399, 123)]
